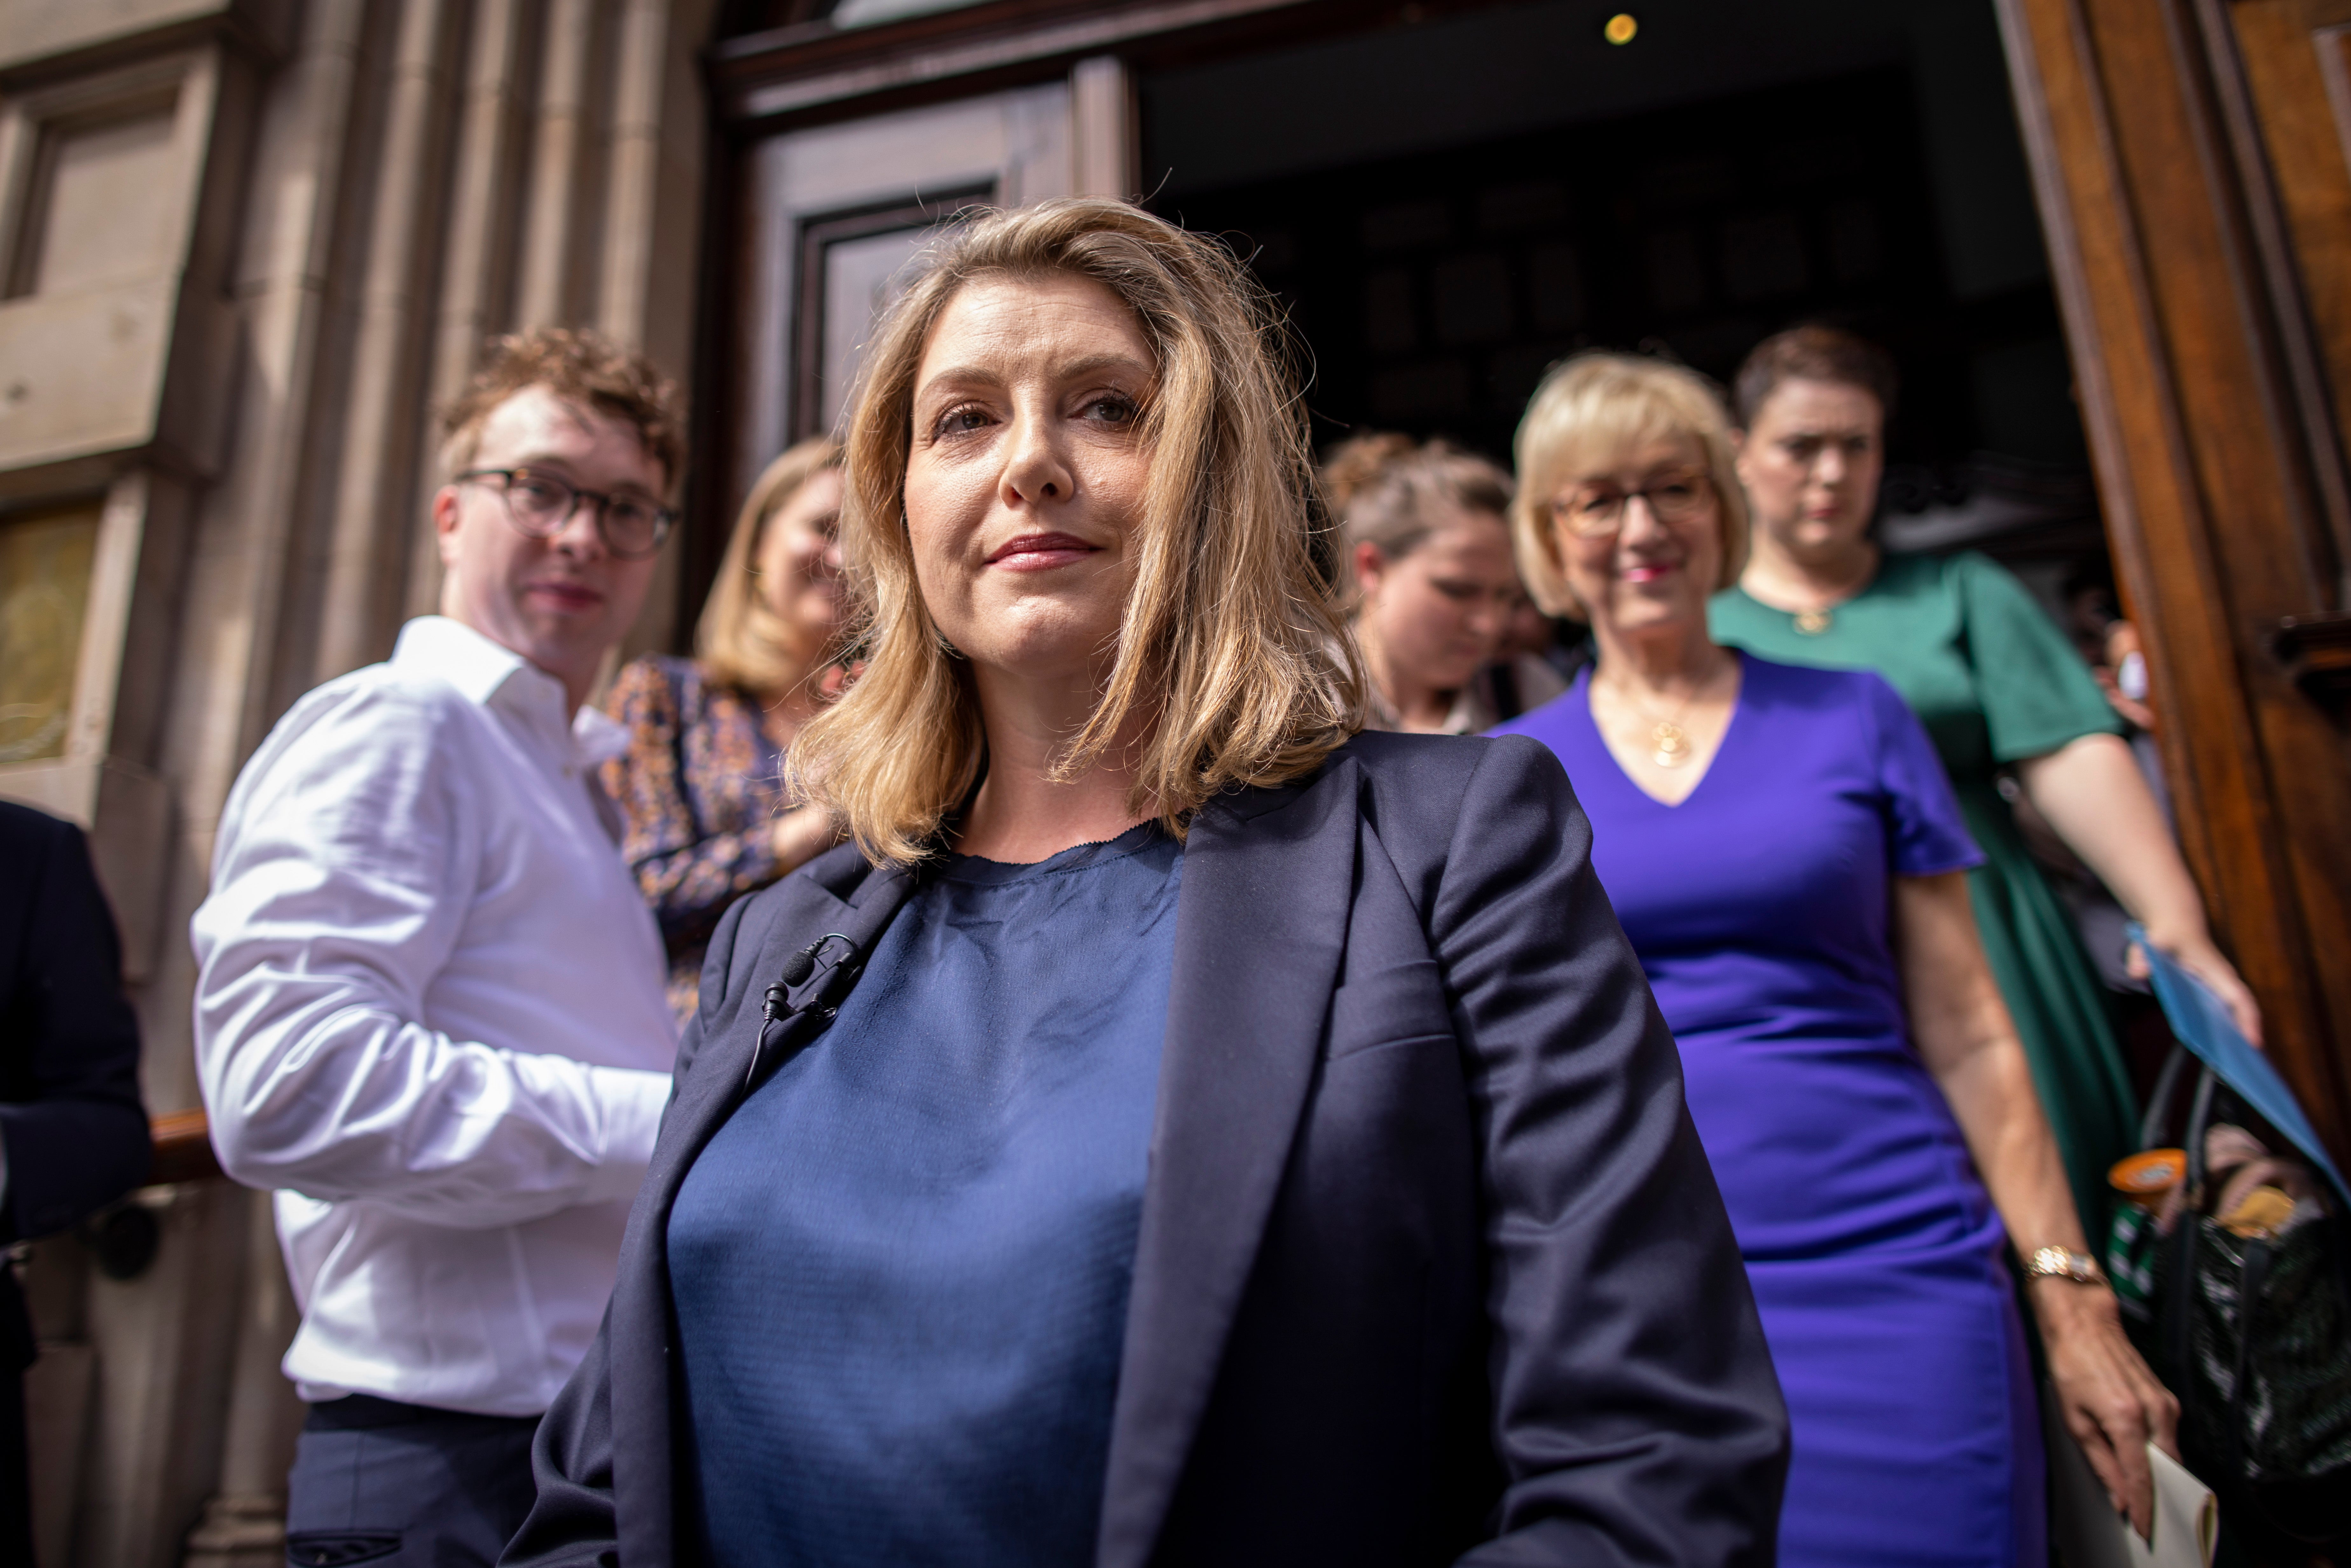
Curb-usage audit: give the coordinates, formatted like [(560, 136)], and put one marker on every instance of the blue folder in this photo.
[(2202, 1024)]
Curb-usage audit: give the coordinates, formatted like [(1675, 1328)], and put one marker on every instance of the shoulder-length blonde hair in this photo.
[(740, 641), (1589, 413), (1233, 661)]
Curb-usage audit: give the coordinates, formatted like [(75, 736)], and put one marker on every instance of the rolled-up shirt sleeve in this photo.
[(347, 859)]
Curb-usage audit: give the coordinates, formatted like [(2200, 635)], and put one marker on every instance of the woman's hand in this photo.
[(2195, 953), (2106, 1395), (2109, 1399), (801, 835), (2092, 792)]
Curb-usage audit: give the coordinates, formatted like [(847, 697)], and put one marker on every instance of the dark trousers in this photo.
[(406, 1486), (16, 1488)]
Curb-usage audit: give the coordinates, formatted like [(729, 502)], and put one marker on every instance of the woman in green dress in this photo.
[(1997, 687)]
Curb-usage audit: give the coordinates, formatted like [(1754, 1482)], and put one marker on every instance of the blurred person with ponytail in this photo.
[(701, 785), (1426, 538)]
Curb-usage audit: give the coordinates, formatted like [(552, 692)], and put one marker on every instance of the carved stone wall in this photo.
[(245, 246)]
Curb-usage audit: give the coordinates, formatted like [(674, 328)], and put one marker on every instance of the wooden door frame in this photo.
[(2217, 474), (815, 236), (811, 71)]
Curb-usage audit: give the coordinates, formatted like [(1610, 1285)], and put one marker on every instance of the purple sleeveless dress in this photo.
[(1760, 907)]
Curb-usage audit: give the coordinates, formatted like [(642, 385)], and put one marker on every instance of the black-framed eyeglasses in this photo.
[(540, 505), (1595, 511)]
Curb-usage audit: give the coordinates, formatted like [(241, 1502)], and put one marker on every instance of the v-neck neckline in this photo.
[(1731, 732)]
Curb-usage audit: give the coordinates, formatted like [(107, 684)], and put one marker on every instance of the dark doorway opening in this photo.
[(1434, 290), (1438, 240), (1849, 163)]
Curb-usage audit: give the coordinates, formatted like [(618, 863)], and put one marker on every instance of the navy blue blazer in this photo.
[(1431, 1264), (70, 1118)]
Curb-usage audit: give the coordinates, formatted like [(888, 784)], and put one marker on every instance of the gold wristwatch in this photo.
[(2063, 1263)]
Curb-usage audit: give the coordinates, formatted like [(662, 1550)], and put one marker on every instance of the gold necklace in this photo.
[(1673, 745), (1669, 740), (1813, 621)]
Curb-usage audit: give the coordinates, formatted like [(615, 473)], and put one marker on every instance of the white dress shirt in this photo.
[(430, 1013)]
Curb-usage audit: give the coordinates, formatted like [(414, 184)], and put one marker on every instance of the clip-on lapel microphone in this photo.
[(796, 971)]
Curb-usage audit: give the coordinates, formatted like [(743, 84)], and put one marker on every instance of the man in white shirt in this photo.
[(430, 1009)]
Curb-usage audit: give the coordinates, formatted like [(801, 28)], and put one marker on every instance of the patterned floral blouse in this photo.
[(700, 788)]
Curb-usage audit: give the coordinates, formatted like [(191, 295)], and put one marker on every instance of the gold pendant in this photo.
[(1812, 622), (1673, 746)]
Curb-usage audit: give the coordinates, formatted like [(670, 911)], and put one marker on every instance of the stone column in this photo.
[(244, 1525)]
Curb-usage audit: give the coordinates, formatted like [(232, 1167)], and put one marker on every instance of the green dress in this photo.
[(1995, 681)]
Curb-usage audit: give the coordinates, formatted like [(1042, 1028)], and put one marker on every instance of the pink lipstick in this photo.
[(1040, 552)]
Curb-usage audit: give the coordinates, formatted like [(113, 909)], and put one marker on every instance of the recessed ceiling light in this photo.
[(1620, 28)]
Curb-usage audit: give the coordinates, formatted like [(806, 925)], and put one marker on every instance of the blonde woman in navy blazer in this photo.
[(1329, 1199)]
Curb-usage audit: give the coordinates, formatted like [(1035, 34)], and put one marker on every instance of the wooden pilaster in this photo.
[(2198, 375)]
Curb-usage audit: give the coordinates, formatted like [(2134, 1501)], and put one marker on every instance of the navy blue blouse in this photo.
[(900, 1270)]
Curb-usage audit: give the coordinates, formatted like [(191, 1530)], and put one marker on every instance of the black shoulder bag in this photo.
[(2252, 1333)]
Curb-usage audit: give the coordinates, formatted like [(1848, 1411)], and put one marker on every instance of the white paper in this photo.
[(2087, 1532)]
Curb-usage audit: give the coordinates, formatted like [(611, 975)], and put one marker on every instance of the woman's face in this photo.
[(1648, 572), (1440, 612), (799, 561), (1812, 462), (1026, 473)]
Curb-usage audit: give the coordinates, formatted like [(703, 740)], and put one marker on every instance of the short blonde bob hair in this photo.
[(1232, 660), (740, 641), (1588, 414)]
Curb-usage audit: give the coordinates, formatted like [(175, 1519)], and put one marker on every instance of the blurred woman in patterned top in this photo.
[(701, 785)]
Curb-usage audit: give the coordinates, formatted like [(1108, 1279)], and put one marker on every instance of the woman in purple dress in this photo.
[(1785, 853)]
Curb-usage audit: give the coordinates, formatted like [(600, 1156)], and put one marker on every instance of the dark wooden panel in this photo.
[(2242, 79), (2208, 473), (184, 1148), (813, 72), (2291, 74)]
